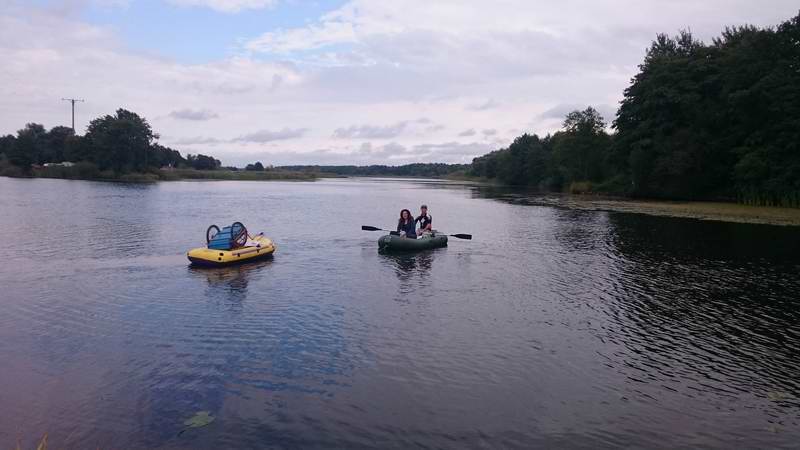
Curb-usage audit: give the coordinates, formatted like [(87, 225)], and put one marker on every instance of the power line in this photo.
[(73, 100)]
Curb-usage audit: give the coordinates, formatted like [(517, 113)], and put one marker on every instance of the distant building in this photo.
[(61, 164)]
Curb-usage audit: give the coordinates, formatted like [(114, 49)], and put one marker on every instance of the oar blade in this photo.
[(462, 236), (369, 228)]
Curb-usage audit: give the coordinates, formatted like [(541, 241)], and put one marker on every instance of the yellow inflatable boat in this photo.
[(231, 245)]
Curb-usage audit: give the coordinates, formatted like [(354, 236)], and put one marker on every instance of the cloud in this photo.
[(434, 128), (367, 153), (263, 136), (226, 6), (300, 39), (488, 104), (423, 125), (467, 133), (560, 111), (389, 151), (371, 131), (452, 151), (192, 140), (489, 132), (193, 114)]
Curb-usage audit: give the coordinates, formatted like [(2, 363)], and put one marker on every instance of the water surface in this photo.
[(553, 327)]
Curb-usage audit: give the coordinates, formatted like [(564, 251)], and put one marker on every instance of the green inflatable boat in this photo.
[(394, 243)]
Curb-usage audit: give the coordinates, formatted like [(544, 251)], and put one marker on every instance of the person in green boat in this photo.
[(407, 226), (425, 220)]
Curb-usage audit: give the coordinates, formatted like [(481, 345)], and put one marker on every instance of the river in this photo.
[(551, 328)]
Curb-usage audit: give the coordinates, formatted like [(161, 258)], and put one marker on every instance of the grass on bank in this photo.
[(42, 444), (89, 171), (239, 175)]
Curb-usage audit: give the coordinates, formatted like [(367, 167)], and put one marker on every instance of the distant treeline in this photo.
[(431, 170), (113, 145), (719, 121)]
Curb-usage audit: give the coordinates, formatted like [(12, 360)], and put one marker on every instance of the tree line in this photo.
[(698, 121), (117, 144), (429, 170)]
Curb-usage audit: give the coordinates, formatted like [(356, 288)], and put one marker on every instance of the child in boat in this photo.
[(425, 220), (406, 226)]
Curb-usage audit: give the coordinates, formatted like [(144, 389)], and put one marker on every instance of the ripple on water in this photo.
[(551, 328)]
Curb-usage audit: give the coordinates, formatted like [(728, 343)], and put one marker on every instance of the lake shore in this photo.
[(79, 172), (715, 211)]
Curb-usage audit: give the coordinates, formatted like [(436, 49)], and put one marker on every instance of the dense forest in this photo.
[(113, 145), (427, 170), (716, 121)]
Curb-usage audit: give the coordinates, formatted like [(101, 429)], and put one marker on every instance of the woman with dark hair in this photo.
[(406, 226)]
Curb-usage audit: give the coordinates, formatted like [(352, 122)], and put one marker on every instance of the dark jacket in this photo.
[(424, 221), (409, 227)]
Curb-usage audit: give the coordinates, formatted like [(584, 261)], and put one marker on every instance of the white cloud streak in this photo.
[(226, 6), (193, 114), (263, 136)]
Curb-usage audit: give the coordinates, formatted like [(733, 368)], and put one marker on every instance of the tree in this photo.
[(6, 142), (580, 151), (588, 122), (78, 149), (56, 143), (121, 142), (28, 147), (165, 156), (203, 162), (255, 167), (715, 121)]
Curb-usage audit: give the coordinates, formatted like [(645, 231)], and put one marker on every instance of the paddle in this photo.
[(461, 236), (458, 236), (369, 228)]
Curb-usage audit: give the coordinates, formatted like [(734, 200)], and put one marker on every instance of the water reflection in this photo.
[(408, 265), (580, 230), (503, 193), (412, 270), (697, 317), (229, 284)]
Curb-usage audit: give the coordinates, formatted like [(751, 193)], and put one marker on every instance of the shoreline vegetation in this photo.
[(90, 172), (700, 210)]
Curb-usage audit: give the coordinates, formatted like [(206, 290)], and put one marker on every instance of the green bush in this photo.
[(580, 187)]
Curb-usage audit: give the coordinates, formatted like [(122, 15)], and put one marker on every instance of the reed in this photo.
[(785, 199), (42, 444)]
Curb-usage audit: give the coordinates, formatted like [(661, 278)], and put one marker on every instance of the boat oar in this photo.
[(369, 228), (458, 236)]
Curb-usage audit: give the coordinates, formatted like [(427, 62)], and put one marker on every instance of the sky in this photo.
[(338, 82)]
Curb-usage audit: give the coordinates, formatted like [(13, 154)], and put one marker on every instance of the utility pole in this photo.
[(73, 100)]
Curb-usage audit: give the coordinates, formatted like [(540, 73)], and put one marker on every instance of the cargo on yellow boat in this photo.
[(256, 248)]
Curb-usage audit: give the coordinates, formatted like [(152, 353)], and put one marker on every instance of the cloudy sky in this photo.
[(338, 82)]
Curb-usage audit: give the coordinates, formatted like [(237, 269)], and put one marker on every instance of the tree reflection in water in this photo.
[(699, 315)]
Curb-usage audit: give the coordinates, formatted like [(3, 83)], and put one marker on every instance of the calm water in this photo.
[(551, 328)]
